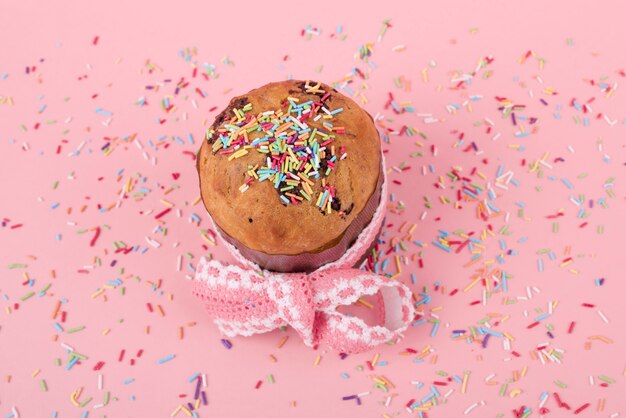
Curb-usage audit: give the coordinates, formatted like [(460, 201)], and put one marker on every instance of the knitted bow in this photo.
[(245, 303)]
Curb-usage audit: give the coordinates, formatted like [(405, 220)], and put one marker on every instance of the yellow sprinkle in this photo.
[(208, 239), (377, 380), (282, 341), (472, 284), (239, 153), (387, 382), (365, 303), (175, 411), (464, 384), (375, 359), (603, 339)]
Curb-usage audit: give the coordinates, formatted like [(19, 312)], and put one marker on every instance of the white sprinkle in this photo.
[(545, 164), (469, 409), (152, 242), (507, 344), (67, 347), (604, 318)]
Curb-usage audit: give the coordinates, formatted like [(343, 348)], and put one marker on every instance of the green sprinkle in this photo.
[(85, 402), (606, 379), (17, 266), (306, 196), (73, 330), (27, 296)]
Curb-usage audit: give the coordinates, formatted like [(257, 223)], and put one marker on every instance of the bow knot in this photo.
[(245, 303)]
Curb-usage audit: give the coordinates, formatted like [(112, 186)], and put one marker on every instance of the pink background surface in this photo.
[(56, 104)]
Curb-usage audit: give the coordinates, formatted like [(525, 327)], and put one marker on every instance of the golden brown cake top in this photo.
[(285, 168)]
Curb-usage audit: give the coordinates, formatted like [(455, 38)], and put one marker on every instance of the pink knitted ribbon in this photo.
[(249, 300), (245, 303)]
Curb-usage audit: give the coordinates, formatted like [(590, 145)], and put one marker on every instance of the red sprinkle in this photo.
[(95, 237), (571, 327), (165, 212), (582, 408)]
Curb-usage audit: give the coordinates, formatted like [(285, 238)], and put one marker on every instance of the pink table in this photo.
[(503, 124)]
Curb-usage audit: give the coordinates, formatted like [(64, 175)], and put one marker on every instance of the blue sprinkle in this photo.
[(567, 183), (443, 247), (435, 328), (165, 359)]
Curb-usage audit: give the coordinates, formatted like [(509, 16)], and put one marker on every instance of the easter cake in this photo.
[(290, 174)]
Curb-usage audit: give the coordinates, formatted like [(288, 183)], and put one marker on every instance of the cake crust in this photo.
[(257, 217)]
